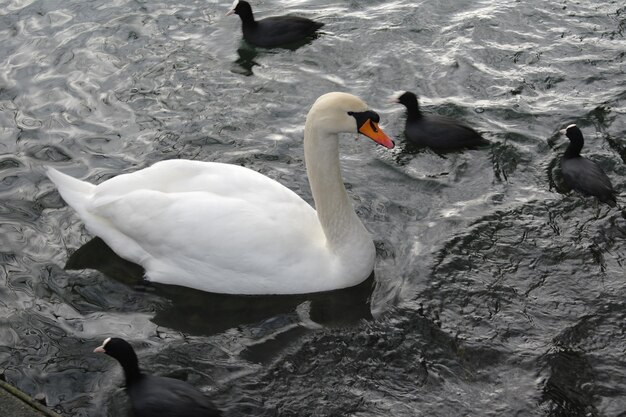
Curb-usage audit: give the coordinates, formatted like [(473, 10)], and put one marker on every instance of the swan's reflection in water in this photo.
[(201, 313)]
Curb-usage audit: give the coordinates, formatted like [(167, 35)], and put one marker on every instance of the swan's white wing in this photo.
[(214, 221), (178, 175)]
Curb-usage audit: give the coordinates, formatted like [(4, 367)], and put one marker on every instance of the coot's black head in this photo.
[(121, 350), (573, 133), (408, 100), (575, 137), (241, 8)]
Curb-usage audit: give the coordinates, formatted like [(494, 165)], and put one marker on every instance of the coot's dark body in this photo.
[(155, 396), (152, 396), (273, 31), (436, 132), (582, 174)]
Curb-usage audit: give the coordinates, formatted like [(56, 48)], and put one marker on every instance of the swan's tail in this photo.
[(74, 192)]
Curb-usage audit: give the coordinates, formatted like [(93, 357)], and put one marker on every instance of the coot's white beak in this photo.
[(232, 8), (395, 97), (100, 349), (564, 131)]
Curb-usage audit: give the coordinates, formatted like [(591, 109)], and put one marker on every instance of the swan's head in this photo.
[(345, 113)]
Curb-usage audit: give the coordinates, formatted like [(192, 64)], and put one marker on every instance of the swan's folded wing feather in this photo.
[(237, 235)]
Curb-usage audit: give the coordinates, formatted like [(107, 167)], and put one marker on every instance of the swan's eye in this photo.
[(365, 116)]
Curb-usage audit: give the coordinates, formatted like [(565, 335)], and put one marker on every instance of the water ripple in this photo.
[(496, 292)]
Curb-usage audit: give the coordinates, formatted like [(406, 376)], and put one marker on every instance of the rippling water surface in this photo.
[(495, 293)]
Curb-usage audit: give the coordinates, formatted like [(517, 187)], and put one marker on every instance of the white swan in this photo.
[(227, 229)]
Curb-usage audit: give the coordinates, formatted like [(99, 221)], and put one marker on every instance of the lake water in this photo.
[(495, 292)]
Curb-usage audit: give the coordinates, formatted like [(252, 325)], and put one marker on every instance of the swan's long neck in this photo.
[(340, 223)]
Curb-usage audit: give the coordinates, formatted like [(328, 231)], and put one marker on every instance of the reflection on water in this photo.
[(564, 393), (246, 61), (95, 254), (496, 291), (247, 54), (202, 313)]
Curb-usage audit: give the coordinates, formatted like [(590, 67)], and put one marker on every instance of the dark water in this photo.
[(495, 293)]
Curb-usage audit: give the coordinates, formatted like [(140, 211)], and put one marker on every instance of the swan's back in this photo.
[(210, 226), (75, 192)]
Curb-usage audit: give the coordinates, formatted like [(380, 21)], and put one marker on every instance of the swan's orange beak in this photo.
[(372, 131)]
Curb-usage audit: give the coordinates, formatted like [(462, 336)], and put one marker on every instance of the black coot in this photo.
[(581, 174), (436, 132), (152, 396), (273, 31)]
